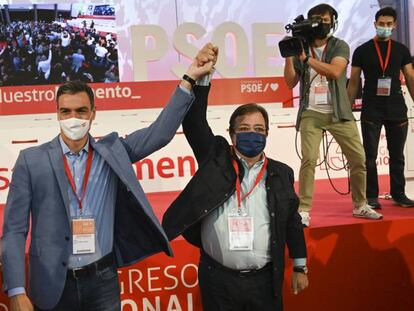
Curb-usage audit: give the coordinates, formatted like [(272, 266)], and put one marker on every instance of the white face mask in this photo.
[(74, 128)]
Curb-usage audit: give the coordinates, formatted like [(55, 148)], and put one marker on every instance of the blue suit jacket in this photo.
[(39, 192)]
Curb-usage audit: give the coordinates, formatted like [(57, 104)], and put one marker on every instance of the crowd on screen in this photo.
[(53, 53)]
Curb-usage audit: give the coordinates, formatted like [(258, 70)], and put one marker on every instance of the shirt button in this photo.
[(67, 238), (272, 214), (64, 264)]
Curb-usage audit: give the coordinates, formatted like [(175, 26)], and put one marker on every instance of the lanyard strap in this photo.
[(85, 176), (387, 58), (259, 177)]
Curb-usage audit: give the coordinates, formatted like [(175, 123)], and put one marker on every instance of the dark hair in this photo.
[(322, 9), (247, 109), (75, 87), (387, 11)]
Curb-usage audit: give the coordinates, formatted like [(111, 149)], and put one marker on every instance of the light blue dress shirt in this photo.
[(99, 203), (215, 233)]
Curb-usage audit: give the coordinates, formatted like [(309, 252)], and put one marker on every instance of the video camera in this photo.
[(303, 33)]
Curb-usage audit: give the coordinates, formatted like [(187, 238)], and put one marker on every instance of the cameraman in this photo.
[(324, 106)]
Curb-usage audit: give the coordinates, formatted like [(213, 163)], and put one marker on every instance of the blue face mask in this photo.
[(384, 32), (250, 144)]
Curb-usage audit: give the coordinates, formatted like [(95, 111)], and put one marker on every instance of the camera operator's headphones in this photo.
[(334, 17), (333, 13)]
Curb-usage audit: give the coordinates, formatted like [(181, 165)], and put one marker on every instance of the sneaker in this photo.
[(373, 202), (403, 201), (365, 211), (305, 218)]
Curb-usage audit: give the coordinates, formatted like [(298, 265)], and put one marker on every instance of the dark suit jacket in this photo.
[(39, 192), (214, 183)]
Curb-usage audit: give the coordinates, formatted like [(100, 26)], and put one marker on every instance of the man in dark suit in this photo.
[(240, 209), (88, 213)]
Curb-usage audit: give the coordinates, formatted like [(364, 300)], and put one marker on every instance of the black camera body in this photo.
[(304, 32)]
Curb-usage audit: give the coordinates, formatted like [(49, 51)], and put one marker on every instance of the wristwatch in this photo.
[(301, 269), (189, 80)]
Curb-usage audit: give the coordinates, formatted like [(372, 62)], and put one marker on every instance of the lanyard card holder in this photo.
[(83, 235), (384, 86), (321, 93), (241, 234)]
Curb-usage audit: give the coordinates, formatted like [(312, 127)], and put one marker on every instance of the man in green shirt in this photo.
[(324, 106)]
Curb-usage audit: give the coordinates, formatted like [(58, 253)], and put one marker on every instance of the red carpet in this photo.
[(330, 208), (354, 264)]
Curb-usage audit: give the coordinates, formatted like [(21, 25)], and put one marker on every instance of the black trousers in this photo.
[(396, 134), (223, 289)]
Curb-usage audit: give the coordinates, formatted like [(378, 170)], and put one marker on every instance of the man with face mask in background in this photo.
[(324, 106), (88, 213), (240, 209), (381, 60)]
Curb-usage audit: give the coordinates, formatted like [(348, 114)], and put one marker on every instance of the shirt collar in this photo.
[(257, 164), (66, 150)]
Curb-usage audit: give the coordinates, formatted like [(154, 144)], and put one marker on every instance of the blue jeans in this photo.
[(97, 292)]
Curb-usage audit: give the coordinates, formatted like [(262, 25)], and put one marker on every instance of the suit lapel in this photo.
[(106, 155), (121, 165), (55, 155), (114, 159)]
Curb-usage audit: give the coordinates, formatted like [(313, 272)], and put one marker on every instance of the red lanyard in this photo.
[(238, 185), (381, 60), (85, 176)]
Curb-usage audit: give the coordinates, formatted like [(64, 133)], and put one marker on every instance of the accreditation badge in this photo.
[(321, 94), (83, 235), (241, 233), (384, 86)]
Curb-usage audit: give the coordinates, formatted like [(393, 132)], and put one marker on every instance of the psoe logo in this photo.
[(257, 86)]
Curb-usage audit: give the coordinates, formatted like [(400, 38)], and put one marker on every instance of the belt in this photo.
[(238, 273), (91, 269)]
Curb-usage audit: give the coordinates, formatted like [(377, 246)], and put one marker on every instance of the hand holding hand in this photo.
[(204, 62), (208, 53)]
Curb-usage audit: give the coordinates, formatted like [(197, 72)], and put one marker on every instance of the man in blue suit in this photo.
[(88, 213)]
